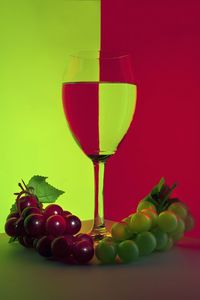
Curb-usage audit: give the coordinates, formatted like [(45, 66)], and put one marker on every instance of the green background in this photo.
[(36, 37)]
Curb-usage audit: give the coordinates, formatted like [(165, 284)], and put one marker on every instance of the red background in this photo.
[(163, 38)]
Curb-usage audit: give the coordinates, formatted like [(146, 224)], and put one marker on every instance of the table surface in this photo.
[(171, 275)]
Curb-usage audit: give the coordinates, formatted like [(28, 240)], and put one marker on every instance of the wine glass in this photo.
[(99, 99)]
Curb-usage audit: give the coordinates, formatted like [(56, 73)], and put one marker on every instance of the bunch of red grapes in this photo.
[(52, 231)]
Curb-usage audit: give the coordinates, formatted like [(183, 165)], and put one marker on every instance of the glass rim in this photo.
[(109, 55)]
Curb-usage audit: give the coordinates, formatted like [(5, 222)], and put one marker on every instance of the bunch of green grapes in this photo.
[(155, 226)]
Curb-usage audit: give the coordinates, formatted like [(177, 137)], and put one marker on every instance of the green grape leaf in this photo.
[(12, 240), (158, 187), (164, 204), (149, 199), (13, 208), (168, 194), (45, 192), (170, 201), (154, 191), (160, 184)]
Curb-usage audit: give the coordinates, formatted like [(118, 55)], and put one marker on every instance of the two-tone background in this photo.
[(163, 38)]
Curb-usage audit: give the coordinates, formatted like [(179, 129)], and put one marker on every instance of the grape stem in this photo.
[(23, 192), (24, 184), (21, 186), (165, 203)]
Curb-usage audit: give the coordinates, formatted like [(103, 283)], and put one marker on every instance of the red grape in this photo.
[(73, 224), (71, 239), (43, 246), (52, 209), (61, 247), (55, 225), (66, 213), (30, 210), (26, 201), (84, 237), (28, 241), (83, 251), (34, 225), (70, 260), (19, 226), (10, 227), (21, 240), (13, 215)]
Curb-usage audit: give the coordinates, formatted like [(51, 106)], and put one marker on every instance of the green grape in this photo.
[(120, 231), (128, 251), (168, 246), (189, 223), (106, 251), (161, 238), (146, 243), (140, 222), (145, 204), (127, 219), (180, 226), (152, 214), (167, 221), (176, 236), (108, 239), (179, 209), (178, 233)]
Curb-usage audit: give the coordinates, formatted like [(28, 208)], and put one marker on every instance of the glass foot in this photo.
[(99, 232)]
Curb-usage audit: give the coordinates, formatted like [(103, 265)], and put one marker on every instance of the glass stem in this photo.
[(99, 229)]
